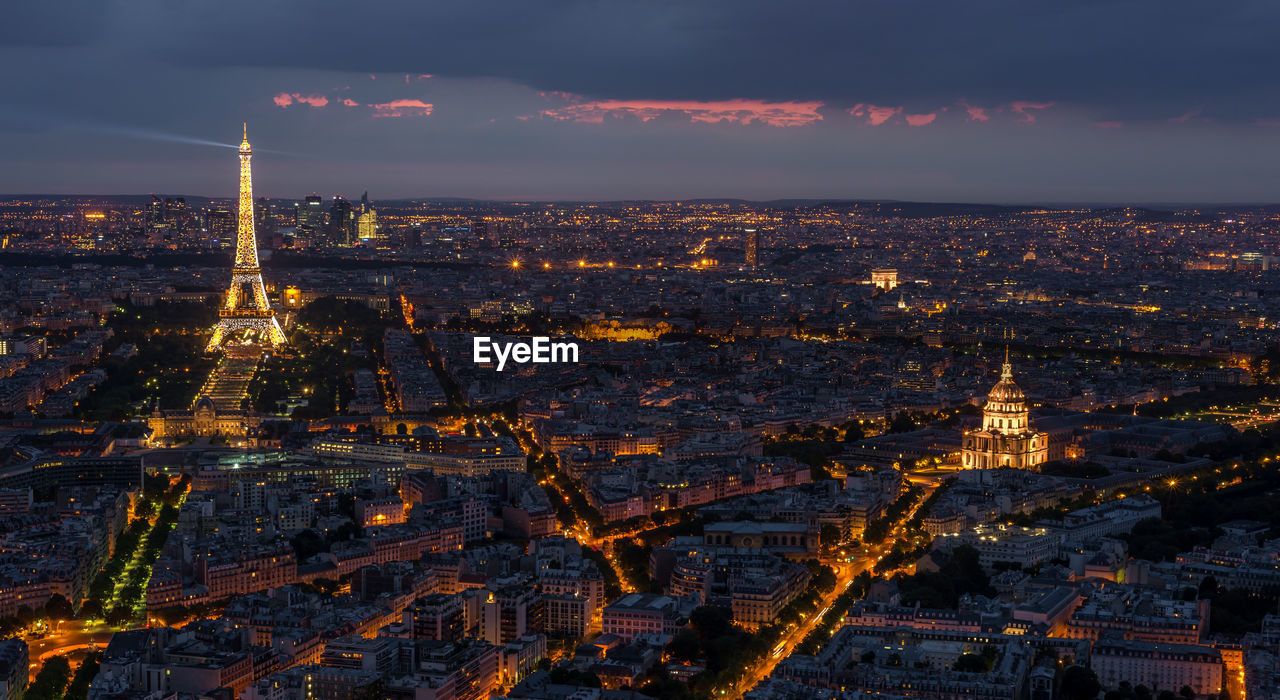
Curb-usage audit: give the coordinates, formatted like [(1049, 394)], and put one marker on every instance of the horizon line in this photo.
[(1097, 204)]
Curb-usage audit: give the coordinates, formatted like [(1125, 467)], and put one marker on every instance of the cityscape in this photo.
[(263, 443)]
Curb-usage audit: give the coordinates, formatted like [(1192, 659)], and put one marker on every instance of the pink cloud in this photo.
[(735, 111), (350, 102), (1186, 117), (1267, 122), (1108, 125), (424, 76), (976, 114), (402, 108), (1023, 109), (285, 99), (876, 115), (921, 119)]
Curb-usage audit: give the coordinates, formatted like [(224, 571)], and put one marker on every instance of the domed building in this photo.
[(1006, 438)]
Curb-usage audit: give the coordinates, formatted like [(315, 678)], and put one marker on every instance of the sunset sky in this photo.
[(1159, 101)]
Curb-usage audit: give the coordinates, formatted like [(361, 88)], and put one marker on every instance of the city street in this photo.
[(846, 573), (71, 636)]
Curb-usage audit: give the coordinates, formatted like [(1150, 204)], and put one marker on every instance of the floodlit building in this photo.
[(751, 244), (886, 279), (1006, 438)]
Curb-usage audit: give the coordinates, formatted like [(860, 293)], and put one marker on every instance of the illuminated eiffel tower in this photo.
[(246, 314)]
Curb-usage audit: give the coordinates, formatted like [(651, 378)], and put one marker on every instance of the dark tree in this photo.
[(79, 688), (582, 678), (685, 646), (58, 608), (1080, 683), (172, 614), (51, 680), (971, 663), (829, 536), (711, 621), (902, 423), (307, 544), (92, 608)]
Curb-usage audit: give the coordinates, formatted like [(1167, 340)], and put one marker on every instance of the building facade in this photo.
[(1162, 666)]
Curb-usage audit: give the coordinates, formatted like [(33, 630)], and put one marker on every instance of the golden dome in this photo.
[(1006, 390)]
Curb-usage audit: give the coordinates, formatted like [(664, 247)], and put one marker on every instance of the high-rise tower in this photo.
[(367, 221), (342, 222), (246, 314), (312, 219)]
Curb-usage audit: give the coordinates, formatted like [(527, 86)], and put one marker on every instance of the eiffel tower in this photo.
[(246, 314)]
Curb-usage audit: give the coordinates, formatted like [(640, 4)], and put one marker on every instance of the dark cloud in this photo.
[(52, 22), (1151, 59)]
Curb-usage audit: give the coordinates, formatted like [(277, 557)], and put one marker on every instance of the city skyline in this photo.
[(633, 350)]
